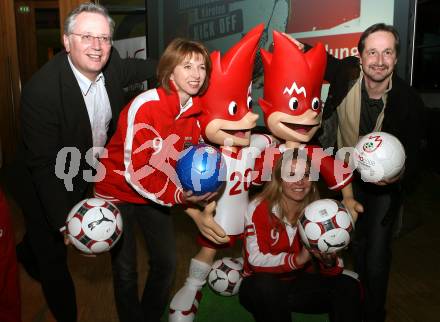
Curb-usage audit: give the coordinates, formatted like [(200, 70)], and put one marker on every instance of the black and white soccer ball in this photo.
[(94, 225), (325, 226), (226, 276)]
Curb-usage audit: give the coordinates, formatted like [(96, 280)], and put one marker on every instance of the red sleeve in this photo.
[(336, 173), (259, 239), (150, 157)]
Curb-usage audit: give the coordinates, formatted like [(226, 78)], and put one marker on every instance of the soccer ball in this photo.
[(201, 169), (226, 275), (379, 156), (94, 226), (325, 226)]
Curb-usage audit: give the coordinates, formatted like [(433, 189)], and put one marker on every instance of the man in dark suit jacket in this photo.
[(72, 102), (366, 95)]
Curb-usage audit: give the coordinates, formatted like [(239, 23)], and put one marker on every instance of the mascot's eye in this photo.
[(232, 109), (249, 102), (315, 104), (293, 103)]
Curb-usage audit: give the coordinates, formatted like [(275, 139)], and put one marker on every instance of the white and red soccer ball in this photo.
[(94, 226), (325, 226), (226, 276), (379, 156)]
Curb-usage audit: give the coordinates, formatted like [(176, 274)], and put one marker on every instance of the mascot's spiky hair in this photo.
[(228, 95), (292, 79)]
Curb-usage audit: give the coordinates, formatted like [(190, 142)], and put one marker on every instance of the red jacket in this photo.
[(271, 246), (140, 166)]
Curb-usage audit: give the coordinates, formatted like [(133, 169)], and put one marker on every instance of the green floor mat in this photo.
[(217, 308)]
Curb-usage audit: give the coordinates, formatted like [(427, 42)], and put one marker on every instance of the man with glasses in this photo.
[(72, 102)]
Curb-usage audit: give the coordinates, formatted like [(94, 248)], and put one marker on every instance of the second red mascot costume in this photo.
[(292, 106)]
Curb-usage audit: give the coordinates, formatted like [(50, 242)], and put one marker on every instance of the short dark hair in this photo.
[(176, 52), (379, 27)]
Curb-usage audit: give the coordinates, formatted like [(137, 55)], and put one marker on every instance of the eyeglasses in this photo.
[(88, 39)]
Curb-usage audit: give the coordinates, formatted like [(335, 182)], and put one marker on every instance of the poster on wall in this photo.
[(134, 47), (219, 24)]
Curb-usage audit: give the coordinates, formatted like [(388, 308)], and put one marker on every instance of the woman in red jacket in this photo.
[(281, 275), (140, 176)]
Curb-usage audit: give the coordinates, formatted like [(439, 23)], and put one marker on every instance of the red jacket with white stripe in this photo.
[(271, 246), (140, 165)]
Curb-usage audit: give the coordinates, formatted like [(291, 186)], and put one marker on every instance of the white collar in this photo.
[(83, 82), (185, 107)]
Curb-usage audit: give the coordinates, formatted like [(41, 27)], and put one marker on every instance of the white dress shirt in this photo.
[(98, 107)]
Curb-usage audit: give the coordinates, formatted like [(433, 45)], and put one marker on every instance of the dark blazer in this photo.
[(54, 116), (404, 113)]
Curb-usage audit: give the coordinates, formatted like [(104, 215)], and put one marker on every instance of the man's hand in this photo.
[(206, 223), (392, 180), (66, 239), (67, 242), (296, 42)]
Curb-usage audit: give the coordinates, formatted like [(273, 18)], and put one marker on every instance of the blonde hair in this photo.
[(176, 51), (273, 191)]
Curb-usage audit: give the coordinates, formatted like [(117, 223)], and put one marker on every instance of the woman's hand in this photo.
[(206, 223), (303, 257), (201, 200), (350, 203), (328, 259), (353, 207)]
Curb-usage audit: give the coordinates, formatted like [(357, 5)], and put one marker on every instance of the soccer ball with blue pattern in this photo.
[(201, 169)]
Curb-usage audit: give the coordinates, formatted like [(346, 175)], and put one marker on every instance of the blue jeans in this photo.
[(157, 228), (372, 243)]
